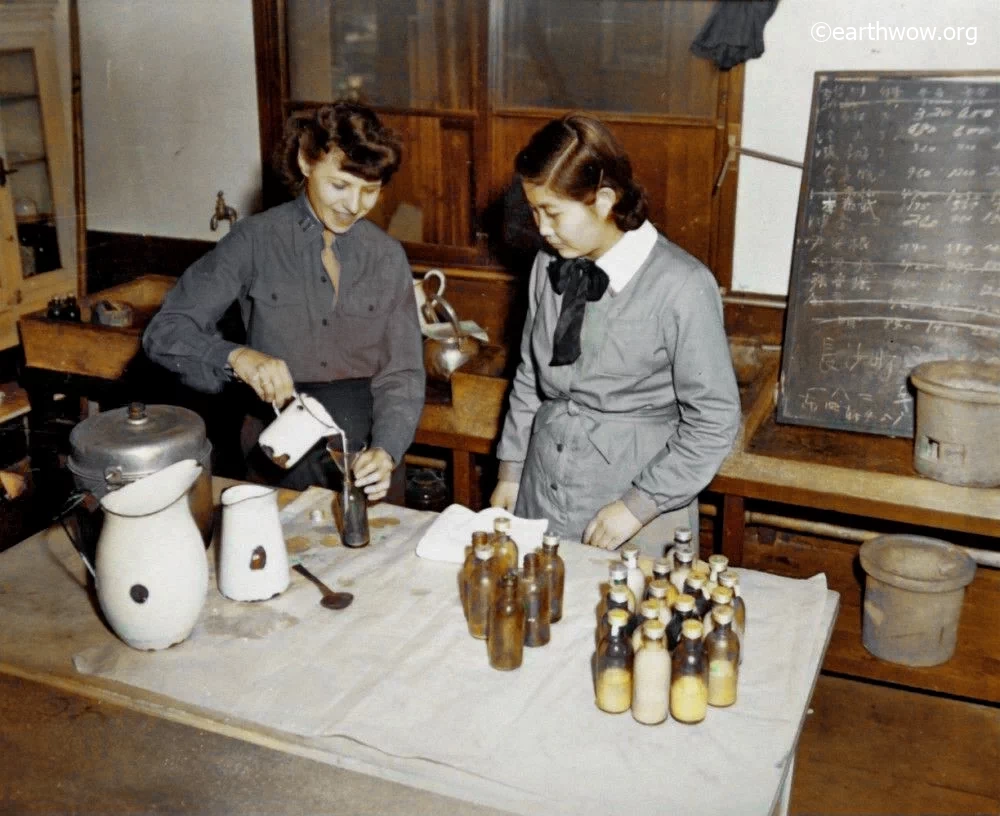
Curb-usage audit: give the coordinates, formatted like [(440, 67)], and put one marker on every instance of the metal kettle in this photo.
[(449, 347)]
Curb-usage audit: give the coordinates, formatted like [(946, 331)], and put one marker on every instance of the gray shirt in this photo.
[(653, 393), (270, 264)]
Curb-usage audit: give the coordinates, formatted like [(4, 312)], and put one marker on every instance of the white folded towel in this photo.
[(451, 532)]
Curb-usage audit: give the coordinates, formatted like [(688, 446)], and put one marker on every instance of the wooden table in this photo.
[(50, 619), (840, 472)]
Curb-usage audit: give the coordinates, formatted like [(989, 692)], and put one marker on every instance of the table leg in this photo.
[(463, 473), (733, 528)]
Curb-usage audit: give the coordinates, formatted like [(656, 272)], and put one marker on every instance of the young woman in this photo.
[(625, 402), (326, 298)]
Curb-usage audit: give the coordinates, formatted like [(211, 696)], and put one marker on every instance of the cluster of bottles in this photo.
[(63, 308), (669, 645), (511, 608)]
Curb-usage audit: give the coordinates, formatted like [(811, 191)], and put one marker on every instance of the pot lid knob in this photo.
[(137, 412)]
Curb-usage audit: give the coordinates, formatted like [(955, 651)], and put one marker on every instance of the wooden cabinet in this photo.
[(37, 210), (466, 82)]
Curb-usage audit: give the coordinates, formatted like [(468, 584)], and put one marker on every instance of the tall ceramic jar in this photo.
[(152, 571)]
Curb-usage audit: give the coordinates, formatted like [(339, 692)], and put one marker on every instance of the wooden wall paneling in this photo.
[(689, 164), (728, 136), (509, 135), (458, 187), (272, 89), (759, 316)]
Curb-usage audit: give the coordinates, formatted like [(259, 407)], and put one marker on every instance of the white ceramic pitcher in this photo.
[(302, 423), (253, 560), (151, 571)]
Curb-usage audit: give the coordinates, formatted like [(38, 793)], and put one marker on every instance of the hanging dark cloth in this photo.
[(734, 32), (578, 280)]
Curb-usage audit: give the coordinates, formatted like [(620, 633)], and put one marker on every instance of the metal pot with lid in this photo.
[(116, 447)]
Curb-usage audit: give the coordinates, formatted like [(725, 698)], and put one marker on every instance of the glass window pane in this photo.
[(22, 149), (393, 53), (624, 56)]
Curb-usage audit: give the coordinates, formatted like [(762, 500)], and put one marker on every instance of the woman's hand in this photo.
[(505, 495), (613, 525), (268, 376), (372, 471)]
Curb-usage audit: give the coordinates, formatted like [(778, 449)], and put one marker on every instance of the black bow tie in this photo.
[(578, 280)]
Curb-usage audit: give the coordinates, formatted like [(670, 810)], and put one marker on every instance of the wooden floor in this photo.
[(866, 749)]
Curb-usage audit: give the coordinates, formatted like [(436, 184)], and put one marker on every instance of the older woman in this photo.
[(326, 298)]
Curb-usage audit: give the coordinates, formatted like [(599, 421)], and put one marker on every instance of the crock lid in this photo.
[(961, 380), (135, 441)]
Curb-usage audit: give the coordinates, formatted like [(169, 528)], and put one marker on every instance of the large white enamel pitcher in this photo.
[(151, 569)]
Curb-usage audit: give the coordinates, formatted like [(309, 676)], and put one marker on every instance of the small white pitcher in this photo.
[(253, 560), (151, 569), (302, 423)]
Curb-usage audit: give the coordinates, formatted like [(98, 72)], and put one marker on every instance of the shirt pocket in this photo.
[(631, 348), (364, 314)]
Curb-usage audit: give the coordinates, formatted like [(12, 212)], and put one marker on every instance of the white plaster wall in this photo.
[(170, 114), (778, 95)]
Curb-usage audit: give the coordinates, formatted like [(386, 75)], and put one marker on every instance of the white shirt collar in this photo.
[(623, 260)]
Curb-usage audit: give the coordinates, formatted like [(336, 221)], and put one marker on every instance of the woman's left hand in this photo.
[(372, 471), (613, 525)]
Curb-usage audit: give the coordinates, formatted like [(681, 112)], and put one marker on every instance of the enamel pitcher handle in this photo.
[(277, 410)]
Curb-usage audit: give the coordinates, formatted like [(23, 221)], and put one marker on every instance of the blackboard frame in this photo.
[(785, 412)]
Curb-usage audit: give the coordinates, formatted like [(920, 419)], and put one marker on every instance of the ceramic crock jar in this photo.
[(120, 446)]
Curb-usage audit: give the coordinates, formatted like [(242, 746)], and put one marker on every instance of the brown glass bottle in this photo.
[(721, 596), (683, 540), (482, 589), (722, 652), (613, 681), (506, 547), (617, 598), (682, 566), (689, 676), (683, 611), (465, 574), (731, 580), (661, 570), (505, 638), (618, 576), (534, 590), (649, 610), (694, 585), (651, 676), (554, 569), (666, 593)]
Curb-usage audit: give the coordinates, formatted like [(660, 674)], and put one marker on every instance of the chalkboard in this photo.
[(897, 245)]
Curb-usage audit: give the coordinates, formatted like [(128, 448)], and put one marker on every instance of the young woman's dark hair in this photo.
[(370, 150), (577, 155)]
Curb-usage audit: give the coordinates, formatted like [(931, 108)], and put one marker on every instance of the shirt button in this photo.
[(371, 307), (554, 486), (326, 322), (322, 279), (559, 448), (323, 363), (274, 295)]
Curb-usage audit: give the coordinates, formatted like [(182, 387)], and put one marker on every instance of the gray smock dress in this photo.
[(646, 414)]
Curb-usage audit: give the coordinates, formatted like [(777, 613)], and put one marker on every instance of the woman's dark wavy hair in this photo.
[(577, 155), (370, 150)]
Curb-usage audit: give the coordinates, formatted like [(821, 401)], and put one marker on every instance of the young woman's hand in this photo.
[(268, 376), (373, 471), (505, 495), (613, 525)]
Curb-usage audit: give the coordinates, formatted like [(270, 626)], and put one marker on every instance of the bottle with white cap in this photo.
[(554, 569), (721, 596), (694, 585), (731, 580), (722, 651), (689, 676), (717, 565), (666, 593), (634, 576), (482, 589), (613, 677), (683, 611), (649, 610), (661, 570), (683, 540), (506, 547), (651, 676), (618, 576), (505, 638), (682, 566), (465, 574), (617, 598)]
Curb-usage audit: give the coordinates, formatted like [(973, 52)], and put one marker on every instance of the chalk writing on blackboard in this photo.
[(897, 248)]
